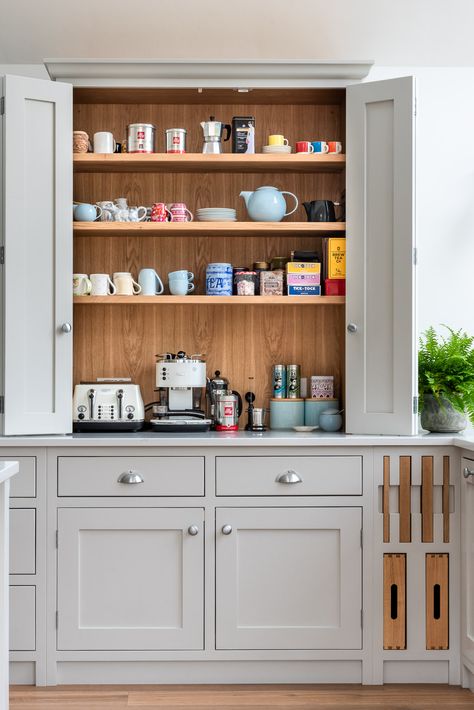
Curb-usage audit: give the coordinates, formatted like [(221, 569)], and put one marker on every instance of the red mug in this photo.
[(304, 147), (334, 147), (160, 212), (180, 213)]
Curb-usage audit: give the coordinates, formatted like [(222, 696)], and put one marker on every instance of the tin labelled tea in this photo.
[(279, 381), (293, 379)]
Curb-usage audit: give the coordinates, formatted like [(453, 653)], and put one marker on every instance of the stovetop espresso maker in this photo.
[(212, 131)]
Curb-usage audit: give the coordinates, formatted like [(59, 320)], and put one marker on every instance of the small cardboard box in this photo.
[(335, 258), (306, 267), (304, 290), (322, 386), (303, 279)]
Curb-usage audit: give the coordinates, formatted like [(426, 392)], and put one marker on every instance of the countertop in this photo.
[(239, 439), (7, 470)]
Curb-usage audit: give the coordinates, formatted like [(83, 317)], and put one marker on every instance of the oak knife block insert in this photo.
[(394, 602)]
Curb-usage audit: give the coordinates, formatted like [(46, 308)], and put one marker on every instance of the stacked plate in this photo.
[(276, 149), (216, 214)]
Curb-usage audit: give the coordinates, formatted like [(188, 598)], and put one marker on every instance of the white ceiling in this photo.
[(392, 32)]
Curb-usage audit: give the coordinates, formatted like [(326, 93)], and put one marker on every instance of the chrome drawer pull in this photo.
[(289, 477), (193, 530), (130, 477), (467, 473), (226, 529)]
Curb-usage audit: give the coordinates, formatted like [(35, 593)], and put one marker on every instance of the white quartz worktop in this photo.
[(239, 439)]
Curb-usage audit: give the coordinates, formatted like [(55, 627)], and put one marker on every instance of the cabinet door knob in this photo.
[(289, 477), (130, 477), (66, 327), (226, 529), (468, 473), (351, 328), (193, 530)]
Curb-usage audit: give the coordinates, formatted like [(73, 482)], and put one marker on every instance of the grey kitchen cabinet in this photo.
[(467, 544), (22, 617), (288, 578), (130, 578)]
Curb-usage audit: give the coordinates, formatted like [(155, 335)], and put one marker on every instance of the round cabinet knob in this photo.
[(193, 530), (66, 327), (468, 473), (226, 529), (352, 328)]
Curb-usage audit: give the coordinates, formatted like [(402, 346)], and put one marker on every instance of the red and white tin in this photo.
[(141, 138), (176, 140)]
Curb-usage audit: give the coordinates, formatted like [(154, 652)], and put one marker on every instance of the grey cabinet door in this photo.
[(130, 579), (36, 292), (467, 566), (288, 578), (381, 340)]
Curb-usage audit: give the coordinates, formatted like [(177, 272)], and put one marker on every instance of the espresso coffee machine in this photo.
[(179, 382)]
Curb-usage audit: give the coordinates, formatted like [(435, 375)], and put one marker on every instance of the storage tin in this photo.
[(314, 407), (176, 140), (286, 413), (141, 138)]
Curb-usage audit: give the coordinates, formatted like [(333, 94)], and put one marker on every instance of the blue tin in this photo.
[(219, 279), (279, 381)]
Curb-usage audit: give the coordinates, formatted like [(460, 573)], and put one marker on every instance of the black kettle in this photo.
[(321, 210)]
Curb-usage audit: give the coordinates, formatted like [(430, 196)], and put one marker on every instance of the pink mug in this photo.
[(304, 147), (180, 213), (160, 212)]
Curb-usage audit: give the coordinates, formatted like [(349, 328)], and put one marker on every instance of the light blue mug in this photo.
[(86, 213), (150, 282), (180, 282)]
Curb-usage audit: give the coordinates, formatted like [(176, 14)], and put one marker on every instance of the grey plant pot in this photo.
[(441, 416)]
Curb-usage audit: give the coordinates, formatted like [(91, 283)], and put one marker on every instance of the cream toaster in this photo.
[(108, 405)]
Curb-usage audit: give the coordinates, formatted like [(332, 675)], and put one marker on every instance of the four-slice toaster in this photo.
[(108, 405)]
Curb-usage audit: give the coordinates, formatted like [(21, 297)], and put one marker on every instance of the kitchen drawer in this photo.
[(22, 618), (288, 475), (22, 541), (23, 485), (160, 475)]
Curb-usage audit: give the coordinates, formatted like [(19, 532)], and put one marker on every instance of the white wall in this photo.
[(392, 32)]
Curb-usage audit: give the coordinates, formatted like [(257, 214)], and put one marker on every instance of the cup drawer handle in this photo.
[(130, 477), (289, 477)]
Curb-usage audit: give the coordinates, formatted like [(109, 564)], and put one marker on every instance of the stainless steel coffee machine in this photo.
[(179, 382), (213, 131)]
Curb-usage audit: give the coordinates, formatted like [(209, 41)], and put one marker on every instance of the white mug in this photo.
[(125, 284), (104, 142), (81, 285), (102, 285)]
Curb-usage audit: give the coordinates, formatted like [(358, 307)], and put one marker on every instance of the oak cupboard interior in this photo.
[(241, 340)]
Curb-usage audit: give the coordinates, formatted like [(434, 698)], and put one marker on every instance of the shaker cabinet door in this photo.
[(36, 293), (467, 565), (381, 344), (130, 579), (288, 578)]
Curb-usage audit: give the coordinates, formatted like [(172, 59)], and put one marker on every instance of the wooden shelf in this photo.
[(210, 300), (199, 162), (198, 229)]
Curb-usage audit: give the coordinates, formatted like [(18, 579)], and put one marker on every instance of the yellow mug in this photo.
[(277, 140)]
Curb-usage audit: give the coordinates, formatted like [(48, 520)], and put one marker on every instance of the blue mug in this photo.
[(86, 212), (320, 147), (150, 282), (219, 279), (180, 282)]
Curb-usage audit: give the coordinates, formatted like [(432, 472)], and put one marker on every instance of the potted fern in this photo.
[(446, 380)]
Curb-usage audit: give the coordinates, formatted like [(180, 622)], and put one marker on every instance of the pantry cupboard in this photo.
[(367, 342)]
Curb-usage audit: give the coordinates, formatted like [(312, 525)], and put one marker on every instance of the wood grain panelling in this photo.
[(386, 499), (427, 499), (446, 499), (437, 601), (394, 601), (405, 499)]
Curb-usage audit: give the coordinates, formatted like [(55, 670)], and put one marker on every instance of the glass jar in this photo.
[(245, 282)]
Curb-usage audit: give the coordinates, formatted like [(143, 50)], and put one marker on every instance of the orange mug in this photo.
[(334, 147)]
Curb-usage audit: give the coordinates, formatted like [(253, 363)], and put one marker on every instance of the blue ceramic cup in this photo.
[(180, 282), (86, 212), (320, 147), (219, 279), (150, 282)]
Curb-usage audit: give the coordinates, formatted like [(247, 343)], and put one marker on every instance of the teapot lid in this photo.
[(267, 187)]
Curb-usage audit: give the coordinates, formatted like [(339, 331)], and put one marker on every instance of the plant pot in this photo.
[(441, 417)]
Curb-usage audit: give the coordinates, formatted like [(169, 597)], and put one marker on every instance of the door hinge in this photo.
[(415, 109), (362, 618), (361, 538), (2, 404), (415, 256), (57, 539), (2, 105), (57, 619), (2, 255), (415, 405)]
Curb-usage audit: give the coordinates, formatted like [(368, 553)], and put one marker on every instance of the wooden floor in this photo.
[(242, 697)]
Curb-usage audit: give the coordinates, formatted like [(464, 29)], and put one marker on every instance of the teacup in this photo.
[(108, 210), (304, 147), (320, 146), (180, 282), (81, 285), (125, 284), (277, 140), (85, 212), (101, 285), (150, 282), (334, 147)]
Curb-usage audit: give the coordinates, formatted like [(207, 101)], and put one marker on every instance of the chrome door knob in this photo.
[(468, 473), (66, 327), (226, 529), (193, 530), (352, 328)]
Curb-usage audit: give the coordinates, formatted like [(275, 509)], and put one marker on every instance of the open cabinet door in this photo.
[(381, 347), (36, 234)]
